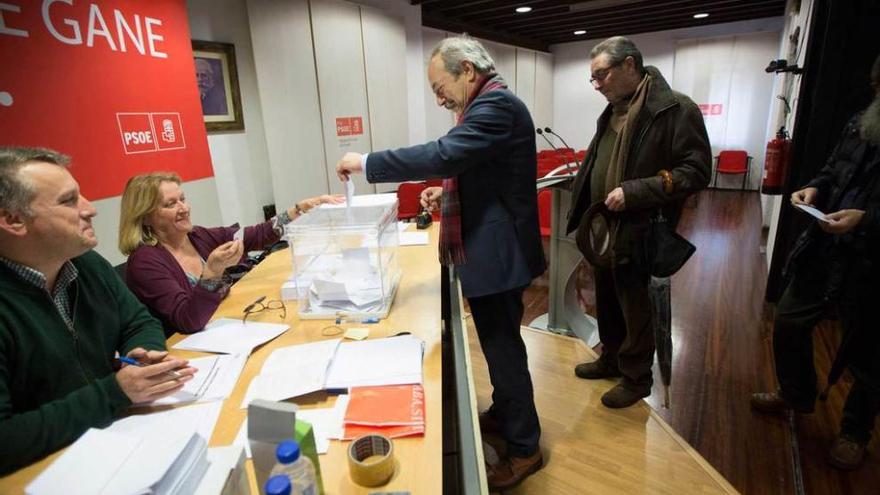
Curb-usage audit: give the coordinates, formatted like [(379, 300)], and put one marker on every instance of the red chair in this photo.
[(545, 211), (733, 162), (408, 199)]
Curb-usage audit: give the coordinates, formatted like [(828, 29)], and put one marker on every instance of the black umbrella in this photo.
[(661, 305)]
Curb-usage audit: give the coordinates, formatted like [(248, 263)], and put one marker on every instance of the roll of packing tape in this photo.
[(371, 460)]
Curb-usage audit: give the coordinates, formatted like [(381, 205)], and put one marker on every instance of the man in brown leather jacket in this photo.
[(649, 153)]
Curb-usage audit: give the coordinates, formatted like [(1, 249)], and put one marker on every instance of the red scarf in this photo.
[(451, 245)]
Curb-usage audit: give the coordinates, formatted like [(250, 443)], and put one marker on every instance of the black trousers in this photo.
[(801, 307), (623, 312), (497, 318)]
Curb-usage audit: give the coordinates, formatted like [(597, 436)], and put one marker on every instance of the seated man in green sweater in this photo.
[(64, 314)]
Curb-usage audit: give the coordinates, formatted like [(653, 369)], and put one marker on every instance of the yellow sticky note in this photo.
[(357, 333)]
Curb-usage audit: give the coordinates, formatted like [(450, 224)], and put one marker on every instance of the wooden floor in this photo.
[(590, 449), (722, 353)]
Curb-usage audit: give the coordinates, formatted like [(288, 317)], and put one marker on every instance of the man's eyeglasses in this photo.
[(259, 305), (601, 74)]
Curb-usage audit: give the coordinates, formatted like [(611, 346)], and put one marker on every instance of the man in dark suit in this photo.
[(489, 227)]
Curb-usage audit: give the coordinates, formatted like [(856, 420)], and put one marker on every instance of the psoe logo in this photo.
[(146, 132)]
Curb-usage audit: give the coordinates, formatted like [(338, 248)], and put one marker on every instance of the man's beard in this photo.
[(869, 124)]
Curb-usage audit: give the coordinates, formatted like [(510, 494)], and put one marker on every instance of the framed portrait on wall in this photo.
[(217, 78)]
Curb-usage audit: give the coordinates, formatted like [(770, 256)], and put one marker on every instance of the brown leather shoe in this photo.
[(621, 396), (846, 453), (596, 370), (773, 403), (488, 424), (510, 471)]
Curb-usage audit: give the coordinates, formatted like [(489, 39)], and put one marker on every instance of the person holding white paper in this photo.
[(64, 314), (833, 268), (176, 268)]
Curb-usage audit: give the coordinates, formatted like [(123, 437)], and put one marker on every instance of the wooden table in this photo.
[(416, 309)]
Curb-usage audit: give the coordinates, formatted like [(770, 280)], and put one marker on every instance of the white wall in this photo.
[(729, 71), (528, 74), (576, 105), (241, 169), (771, 205)]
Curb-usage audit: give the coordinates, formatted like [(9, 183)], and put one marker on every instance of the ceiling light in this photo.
[(579, 32), (523, 10), (702, 15)]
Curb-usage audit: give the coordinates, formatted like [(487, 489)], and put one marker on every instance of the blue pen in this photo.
[(367, 320), (133, 362)]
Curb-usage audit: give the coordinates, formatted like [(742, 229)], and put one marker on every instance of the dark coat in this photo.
[(853, 163), (669, 134), (493, 154)]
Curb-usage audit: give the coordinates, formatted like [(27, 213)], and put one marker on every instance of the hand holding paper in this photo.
[(812, 211)]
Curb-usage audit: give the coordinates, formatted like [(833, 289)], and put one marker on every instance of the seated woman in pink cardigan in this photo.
[(175, 268)]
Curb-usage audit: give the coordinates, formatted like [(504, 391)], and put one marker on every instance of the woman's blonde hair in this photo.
[(140, 199)]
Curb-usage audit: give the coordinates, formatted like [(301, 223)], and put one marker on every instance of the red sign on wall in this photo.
[(110, 83), (349, 126), (711, 108)]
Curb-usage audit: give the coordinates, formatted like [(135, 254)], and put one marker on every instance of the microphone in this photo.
[(541, 133), (573, 155), (550, 131)]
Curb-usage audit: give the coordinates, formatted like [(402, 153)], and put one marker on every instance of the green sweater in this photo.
[(56, 383)]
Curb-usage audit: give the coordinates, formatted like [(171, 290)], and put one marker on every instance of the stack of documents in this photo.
[(297, 370), (394, 411), (107, 462), (231, 336)]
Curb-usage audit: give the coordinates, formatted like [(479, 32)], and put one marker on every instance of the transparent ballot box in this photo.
[(344, 261)]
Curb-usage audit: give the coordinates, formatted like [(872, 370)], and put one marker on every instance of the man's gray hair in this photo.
[(456, 49), (618, 48), (16, 194)]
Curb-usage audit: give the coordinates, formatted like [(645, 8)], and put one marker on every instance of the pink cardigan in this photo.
[(158, 280)]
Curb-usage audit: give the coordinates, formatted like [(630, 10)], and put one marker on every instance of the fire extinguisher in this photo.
[(776, 162)]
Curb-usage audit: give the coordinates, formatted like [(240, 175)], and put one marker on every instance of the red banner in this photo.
[(110, 83)]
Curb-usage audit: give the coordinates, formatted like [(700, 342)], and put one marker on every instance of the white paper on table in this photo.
[(388, 361), (231, 336), (366, 200), (292, 371), (413, 238), (214, 380), (112, 461), (327, 423), (163, 463), (314, 354), (85, 464), (402, 226), (813, 211), (293, 381), (222, 461), (200, 417)]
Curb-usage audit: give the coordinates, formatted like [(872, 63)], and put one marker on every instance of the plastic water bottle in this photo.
[(298, 469), (278, 485)]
